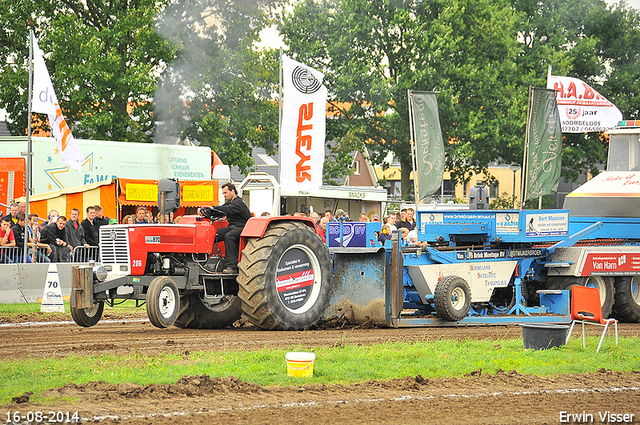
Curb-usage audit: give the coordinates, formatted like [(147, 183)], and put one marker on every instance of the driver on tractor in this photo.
[(237, 214)]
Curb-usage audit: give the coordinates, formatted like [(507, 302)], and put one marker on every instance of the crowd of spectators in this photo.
[(51, 240)]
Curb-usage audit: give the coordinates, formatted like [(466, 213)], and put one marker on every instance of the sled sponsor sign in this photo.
[(482, 276), (608, 263), (547, 224), (354, 235)]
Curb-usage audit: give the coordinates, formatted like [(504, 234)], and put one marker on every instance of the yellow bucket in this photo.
[(300, 364)]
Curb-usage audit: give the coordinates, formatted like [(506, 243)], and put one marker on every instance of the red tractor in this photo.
[(284, 280)]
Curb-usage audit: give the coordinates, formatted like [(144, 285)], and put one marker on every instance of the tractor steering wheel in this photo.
[(211, 213)]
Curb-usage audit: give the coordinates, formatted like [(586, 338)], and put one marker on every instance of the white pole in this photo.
[(29, 148), (413, 146), (525, 166)]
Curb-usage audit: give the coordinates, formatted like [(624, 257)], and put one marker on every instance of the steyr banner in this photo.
[(45, 101), (582, 109), (302, 134), (544, 144), (429, 146)]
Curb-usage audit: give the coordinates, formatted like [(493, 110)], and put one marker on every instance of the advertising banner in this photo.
[(582, 109), (302, 134), (429, 147), (544, 144), (45, 101)]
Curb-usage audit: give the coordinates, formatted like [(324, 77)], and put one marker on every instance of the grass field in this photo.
[(443, 358), (342, 363)]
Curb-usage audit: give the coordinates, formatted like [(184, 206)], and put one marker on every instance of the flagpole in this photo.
[(413, 146), (280, 95), (29, 149), (525, 166)]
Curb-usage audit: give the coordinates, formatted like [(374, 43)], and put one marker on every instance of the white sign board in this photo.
[(105, 160)]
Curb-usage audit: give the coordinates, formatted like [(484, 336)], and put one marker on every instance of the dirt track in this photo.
[(506, 397)]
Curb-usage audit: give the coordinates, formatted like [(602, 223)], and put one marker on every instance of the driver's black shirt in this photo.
[(236, 211)]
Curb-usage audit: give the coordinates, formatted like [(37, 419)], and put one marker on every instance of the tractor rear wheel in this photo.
[(86, 317), (452, 298), (285, 278), (163, 302), (627, 305), (194, 314)]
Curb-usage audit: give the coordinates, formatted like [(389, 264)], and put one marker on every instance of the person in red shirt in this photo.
[(7, 239)]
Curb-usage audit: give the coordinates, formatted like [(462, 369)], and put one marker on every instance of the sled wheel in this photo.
[(163, 302), (285, 277), (604, 284), (194, 314), (452, 298), (627, 299), (86, 317)]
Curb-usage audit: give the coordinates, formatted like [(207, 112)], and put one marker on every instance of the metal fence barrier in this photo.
[(15, 255), (83, 254)]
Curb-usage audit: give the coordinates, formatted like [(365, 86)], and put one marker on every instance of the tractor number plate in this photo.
[(152, 239)]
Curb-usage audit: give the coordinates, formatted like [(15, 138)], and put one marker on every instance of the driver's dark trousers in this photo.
[(231, 237)]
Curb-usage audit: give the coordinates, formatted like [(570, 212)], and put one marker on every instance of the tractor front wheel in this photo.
[(163, 302)]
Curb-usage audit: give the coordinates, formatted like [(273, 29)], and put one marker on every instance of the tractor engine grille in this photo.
[(114, 245)]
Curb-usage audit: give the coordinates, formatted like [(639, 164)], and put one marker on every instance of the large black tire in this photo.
[(603, 283), (86, 317), (163, 302), (285, 279), (627, 304), (452, 298), (194, 314)]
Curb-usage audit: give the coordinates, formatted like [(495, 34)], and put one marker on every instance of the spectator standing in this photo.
[(316, 218), (141, 216), (408, 220), (51, 218), (55, 236), (14, 209), (339, 215), (91, 228), (19, 235), (322, 228), (329, 215), (7, 239), (391, 222), (364, 218), (34, 233), (100, 219), (75, 232)]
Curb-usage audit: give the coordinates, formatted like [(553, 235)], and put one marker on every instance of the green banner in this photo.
[(544, 144), (429, 147)]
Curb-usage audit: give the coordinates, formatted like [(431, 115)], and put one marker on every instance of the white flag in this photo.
[(45, 101), (302, 135), (582, 109)]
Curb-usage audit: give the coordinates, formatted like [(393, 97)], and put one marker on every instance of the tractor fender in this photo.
[(257, 226)]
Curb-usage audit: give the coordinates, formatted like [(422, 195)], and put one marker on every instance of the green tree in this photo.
[(589, 40), (104, 60), (219, 90), (372, 52)]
